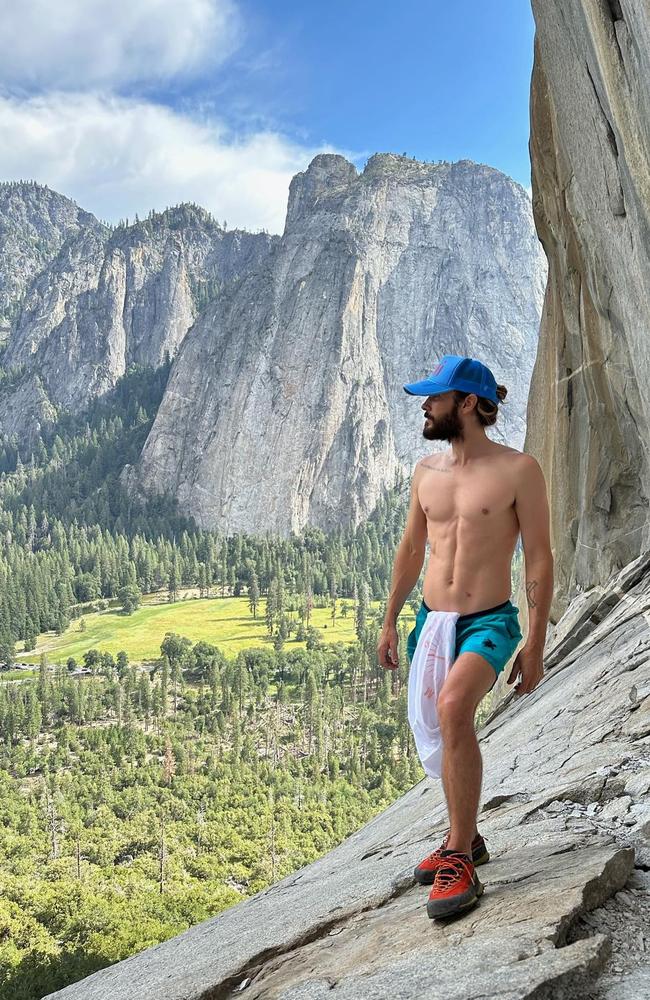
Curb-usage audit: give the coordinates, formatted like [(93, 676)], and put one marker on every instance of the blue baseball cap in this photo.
[(455, 372)]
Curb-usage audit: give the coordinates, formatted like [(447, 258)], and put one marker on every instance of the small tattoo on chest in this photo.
[(434, 468)]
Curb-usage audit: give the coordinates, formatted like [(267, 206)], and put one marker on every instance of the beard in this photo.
[(446, 428)]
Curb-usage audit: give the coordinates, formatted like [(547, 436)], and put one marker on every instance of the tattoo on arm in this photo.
[(530, 593)]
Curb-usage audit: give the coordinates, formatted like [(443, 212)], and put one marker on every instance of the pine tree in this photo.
[(253, 592)]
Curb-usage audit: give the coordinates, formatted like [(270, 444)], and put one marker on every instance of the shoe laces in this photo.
[(436, 854), (452, 870)]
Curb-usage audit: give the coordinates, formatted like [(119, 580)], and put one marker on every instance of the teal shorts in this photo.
[(493, 632)]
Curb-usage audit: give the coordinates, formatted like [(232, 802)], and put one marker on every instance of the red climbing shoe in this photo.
[(456, 885), (426, 870)]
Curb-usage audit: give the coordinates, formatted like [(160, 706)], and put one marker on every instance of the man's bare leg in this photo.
[(467, 683)]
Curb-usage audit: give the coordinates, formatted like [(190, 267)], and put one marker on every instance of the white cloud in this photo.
[(81, 44), (66, 120), (118, 156)]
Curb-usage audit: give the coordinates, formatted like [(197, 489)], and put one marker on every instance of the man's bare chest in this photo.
[(481, 497)]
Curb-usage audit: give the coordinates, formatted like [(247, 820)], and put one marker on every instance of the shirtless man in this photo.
[(470, 503)]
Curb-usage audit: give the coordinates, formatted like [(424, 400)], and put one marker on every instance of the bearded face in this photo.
[(442, 419)]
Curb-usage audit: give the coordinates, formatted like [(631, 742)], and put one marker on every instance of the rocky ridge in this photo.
[(35, 222), (292, 379), (109, 300)]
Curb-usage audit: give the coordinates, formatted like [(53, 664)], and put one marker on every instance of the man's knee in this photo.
[(470, 678), (455, 710)]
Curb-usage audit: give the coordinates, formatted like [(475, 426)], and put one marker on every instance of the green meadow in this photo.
[(225, 622)]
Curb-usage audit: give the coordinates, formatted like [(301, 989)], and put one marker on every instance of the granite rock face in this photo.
[(566, 818), (589, 405), (285, 405), (35, 222), (111, 300), (26, 409)]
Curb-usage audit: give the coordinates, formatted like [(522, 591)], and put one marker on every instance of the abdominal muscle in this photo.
[(475, 586), (472, 529)]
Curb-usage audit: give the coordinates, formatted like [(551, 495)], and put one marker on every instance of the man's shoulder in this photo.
[(506, 449), (520, 458), (526, 470), (521, 466), (523, 458)]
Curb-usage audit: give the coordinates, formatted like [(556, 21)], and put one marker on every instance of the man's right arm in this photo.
[(407, 566)]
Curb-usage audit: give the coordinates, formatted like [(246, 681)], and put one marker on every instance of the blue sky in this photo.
[(436, 80), (144, 103)]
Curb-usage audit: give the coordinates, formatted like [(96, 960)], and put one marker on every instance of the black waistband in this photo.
[(475, 614)]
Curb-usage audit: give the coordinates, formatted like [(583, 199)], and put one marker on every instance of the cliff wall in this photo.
[(589, 406), (285, 406)]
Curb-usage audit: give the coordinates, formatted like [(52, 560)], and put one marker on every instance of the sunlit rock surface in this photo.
[(109, 300), (285, 405), (589, 407), (35, 222)]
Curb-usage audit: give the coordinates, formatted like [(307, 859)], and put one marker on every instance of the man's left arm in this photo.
[(531, 505)]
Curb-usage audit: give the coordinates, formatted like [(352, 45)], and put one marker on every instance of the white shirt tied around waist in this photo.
[(433, 657)]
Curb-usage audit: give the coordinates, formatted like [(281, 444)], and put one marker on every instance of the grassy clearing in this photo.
[(225, 622), (18, 675)]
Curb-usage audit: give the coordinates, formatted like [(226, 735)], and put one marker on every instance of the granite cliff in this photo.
[(285, 405), (589, 406), (300, 343), (111, 299), (35, 222)]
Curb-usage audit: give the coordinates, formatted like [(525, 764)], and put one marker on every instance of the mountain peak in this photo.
[(327, 172), (35, 222)]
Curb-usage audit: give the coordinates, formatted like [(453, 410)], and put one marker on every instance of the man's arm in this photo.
[(531, 505), (409, 559)]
